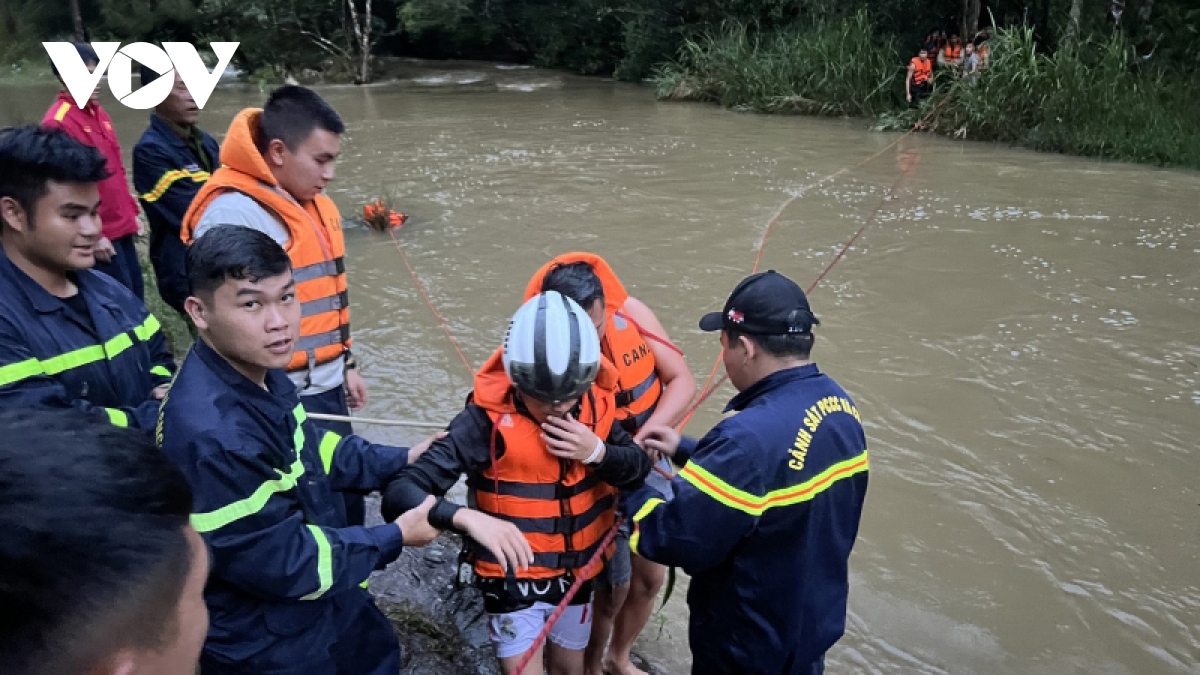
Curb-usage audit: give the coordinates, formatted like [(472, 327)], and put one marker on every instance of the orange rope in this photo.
[(706, 391), (428, 301)]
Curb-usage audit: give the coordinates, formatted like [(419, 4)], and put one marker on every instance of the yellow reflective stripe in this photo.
[(168, 179), (649, 506), (79, 357), (117, 418), (62, 112), (723, 492), (160, 370), (15, 372), (214, 520), (329, 443), (706, 482), (74, 359), (148, 328), (365, 584), (324, 563)]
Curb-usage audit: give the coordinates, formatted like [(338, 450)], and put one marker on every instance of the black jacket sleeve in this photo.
[(466, 448), (625, 464)]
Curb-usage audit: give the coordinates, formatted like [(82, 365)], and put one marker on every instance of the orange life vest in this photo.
[(922, 70), (953, 53), (638, 388), (561, 506), (315, 244)]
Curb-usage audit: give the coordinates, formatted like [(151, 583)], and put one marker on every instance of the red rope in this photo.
[(428, 301), (645, 333), (566, 601), (707, 391)]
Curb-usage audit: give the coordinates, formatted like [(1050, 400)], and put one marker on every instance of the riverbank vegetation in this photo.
[(1111, 78)]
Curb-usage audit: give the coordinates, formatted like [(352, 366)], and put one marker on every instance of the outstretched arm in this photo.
[(679, 386)]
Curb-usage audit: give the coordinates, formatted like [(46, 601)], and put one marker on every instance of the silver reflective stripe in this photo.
[(329, 303), (327, 268), (311, 342)]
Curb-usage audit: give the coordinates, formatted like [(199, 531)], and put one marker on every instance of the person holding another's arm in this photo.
[(544, 458), (284, 594)]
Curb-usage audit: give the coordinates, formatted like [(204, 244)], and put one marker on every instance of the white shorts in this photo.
[(513, 633)]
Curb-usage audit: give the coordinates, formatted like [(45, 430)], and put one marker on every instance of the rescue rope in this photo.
[(707, 391), (571, 593), (376, 421), (428, 301)]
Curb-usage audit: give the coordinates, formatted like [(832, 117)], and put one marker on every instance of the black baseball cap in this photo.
[(766, 303)]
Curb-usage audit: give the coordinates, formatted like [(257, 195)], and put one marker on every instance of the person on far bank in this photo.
[(767, 504), (173, 158), (69, 337), (654, 387), (285, 594), (970, 63), (275, 165), (102, 572), (950, 56), (115, 253), (918, 81)]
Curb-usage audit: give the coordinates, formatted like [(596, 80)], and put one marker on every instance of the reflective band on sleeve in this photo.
[(54, 365), (21, 370), (214, 520), (168, 179), (117, 418), (329, 444), (325, 268), (649, 506), (324, 563), (160, 370), (708, 483)]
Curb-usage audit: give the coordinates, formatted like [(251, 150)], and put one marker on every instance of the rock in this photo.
[(443, 630)]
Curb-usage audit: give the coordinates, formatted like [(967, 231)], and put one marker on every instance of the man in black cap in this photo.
[(767, 504)]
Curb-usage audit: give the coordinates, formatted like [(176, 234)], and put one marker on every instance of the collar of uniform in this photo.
[(38, 297), (773, 381), (277, 399), (168, 131), (90, 108)]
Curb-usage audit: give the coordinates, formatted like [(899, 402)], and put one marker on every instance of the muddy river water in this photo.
[(1021, 332)]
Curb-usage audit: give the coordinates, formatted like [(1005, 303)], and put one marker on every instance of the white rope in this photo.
[(376, 421)]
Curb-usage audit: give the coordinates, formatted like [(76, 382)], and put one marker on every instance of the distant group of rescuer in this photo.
[(950, 55), (154, 516)]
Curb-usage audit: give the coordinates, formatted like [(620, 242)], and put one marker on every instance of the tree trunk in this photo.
[(971, 9), (362, 35), (77, 16), (1076, 14), (1144, 12)]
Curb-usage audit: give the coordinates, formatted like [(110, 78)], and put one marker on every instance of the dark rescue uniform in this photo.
[(284, 593), (167, 174), (107, 355), (765, 514)]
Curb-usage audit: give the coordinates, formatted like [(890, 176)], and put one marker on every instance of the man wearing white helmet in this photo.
[(544, 459)]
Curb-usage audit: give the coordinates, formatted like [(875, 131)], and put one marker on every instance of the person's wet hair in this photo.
[(94, 554), (31, 157), (292, 113), (233, 252), (577, 281), (86, 53), (787, 345)]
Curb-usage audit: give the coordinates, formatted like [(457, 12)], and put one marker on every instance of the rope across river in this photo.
[(709, 385)]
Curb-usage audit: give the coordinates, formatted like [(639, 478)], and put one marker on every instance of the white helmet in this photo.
[(552, 351)]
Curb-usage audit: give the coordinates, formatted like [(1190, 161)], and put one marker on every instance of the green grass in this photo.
[(1088, 98), (1092, 97), (178, 332), (828, 68)]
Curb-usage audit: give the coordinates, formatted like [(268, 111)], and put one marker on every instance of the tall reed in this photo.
[(1091, 97), (828, 68)]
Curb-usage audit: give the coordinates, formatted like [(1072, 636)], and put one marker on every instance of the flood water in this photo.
[(1021, 332)]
